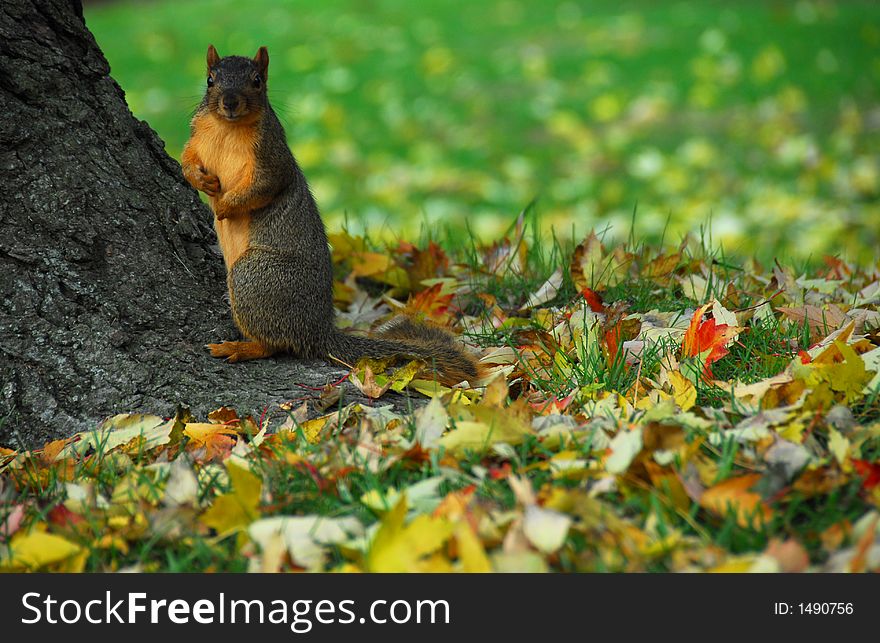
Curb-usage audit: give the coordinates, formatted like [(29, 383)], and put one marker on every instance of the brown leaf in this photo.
[(791, 555), (820, 320)]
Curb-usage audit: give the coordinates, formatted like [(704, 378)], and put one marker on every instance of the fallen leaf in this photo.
[(119, 430), (683, 391), (625, 446), (233, 511), (546, 292), (400, 547), (734, 494), (545, 529), (431, 421), (38, 550), (306, 538)]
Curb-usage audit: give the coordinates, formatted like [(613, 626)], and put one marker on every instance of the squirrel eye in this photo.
[(210, 81), (257, 80)]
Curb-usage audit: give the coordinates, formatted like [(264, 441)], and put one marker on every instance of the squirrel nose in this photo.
[(230, 102)]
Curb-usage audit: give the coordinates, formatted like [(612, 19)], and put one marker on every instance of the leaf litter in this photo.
[(639, 410)]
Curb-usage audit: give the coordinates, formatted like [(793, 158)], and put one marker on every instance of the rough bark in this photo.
[(110, 279)]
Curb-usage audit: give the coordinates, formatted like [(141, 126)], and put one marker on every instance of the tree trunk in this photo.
[(110, 279)]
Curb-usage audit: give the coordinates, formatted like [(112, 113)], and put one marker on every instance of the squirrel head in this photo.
[(237, 85)]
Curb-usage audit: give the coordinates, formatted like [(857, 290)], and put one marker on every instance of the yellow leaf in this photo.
[(380, 501), (37, 550), (312, 428), (345, 245), (735, 565), (546, 529), (120, 430), (405, 374), (839, 446), (683, 391), (479, 436), (366, 264), (837, 372), (202, 432), (429, 388), (793, 431), (496, 392), (470, 550), (400, 548), (237, 509)]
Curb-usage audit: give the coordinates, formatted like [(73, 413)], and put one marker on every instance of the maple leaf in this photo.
[(217, 439), (431, 304), (373, 385), (661, 268), (707, 340), (821, 321), (426, 264)]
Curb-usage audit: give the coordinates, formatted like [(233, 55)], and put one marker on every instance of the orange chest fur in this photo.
[(227, 151)]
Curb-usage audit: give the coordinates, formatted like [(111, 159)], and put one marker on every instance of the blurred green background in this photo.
[(759, 119)]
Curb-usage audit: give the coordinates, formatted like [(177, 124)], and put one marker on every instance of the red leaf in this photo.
[(870, 471), (702, 336), (61, 516), (594, 299), (612, 342)]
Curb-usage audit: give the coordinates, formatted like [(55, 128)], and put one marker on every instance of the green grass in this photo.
[(757, 119)]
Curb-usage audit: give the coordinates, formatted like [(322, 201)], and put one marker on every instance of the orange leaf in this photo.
[(368, 264), (431, 304), (427, 264), (702, 336), (735, 495), (217, 439)]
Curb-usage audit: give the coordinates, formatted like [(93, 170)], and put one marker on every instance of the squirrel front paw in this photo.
[(207, 183), (224, 210), (201, 179)]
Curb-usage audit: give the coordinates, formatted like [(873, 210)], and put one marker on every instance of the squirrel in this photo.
[(273, 240)]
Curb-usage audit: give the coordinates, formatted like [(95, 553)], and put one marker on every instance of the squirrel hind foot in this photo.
[(241, 351)]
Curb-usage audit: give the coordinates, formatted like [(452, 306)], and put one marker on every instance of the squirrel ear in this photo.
[(262, 61), (213, 56)]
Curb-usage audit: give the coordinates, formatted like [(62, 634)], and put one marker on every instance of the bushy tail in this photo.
[(401, 336)]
